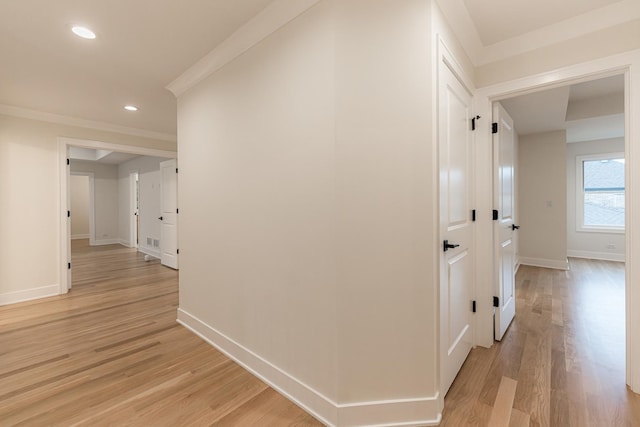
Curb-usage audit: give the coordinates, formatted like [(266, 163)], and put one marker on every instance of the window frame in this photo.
[(580, 226)]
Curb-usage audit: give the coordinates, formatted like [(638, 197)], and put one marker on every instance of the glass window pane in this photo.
[(604, 192)]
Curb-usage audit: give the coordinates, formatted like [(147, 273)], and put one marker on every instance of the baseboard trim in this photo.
[(387, 413), (124, 242), (150, 252), (79, 236), (29, 294), (604, 256), (545, 263), (105, 242)]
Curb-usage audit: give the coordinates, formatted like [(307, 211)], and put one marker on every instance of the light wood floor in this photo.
[(110, 353), (562, 361)]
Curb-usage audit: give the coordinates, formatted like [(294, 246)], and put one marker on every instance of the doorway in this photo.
[(110, 234), (134, 216), (571, 75)]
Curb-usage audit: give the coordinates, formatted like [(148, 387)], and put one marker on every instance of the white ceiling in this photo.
[(100, 156), (141, 47), (491, 30), (144, 45), (498, 20), (587, 111)]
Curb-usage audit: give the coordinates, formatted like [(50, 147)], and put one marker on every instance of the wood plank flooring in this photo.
[(562, 361), (110, 353)]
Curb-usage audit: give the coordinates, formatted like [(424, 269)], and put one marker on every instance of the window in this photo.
[(600, 193)]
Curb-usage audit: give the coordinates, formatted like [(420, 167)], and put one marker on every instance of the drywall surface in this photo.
[(595, 245), (306, 210), (105, 198), (30, 175), (542, 199), (79, 195)]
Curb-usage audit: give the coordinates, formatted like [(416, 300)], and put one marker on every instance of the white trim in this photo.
[(599, 19), (404, 412), (104, 242), (29, 294), (125, 242), (628, 64), (63, 202), (147, 251), (272, 18), (545, 263), (79, 236), (10, 110), (604, 256)]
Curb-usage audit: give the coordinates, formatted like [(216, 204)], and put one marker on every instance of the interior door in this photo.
[(169, 213), (504, 227), (456, 234)]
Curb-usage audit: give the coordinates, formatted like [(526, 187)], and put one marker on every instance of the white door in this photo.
[(169, 214), (456, 237), (504, 227)]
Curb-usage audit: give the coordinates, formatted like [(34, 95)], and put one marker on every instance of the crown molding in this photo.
[(25, 113), (273, 17), (463, 26)]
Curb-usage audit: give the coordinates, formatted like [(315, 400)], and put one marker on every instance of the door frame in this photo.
[(134, 184), (627, 64), (64, 143)]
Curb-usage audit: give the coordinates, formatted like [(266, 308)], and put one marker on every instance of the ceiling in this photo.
[(141, 46), (587, 111), (144, 45), (100, 156), (492, 30), (517, 17)]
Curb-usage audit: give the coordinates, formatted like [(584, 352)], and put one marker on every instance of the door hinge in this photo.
[(177, 210), (177, 251), (495, 215), (176, 170), (68, 214), (68, 266), (68, 162), (473, 215), (494, 127), (496, 302), (473, 306), (473, 122)]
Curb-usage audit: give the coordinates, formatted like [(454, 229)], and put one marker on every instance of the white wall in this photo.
[(585, 244), (105, 199), (148, 169), (30, 188), (307, 217), (542, 204), (79, 195)]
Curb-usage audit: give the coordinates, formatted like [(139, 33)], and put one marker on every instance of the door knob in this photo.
[(160, 218), (514, 227), (446, 245)]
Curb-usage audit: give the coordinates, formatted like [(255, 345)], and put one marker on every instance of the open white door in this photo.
[(456, 237), (169, 214), (504, 227)]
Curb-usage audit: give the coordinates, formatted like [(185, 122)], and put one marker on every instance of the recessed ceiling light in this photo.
[(83, 32), (131, 108)]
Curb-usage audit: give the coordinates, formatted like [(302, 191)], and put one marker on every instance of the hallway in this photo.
[(562, 361), (111, 353)]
